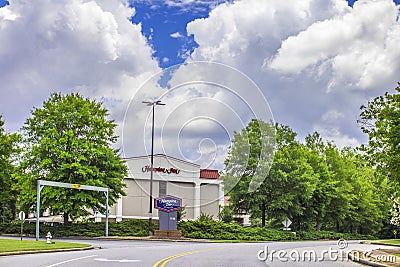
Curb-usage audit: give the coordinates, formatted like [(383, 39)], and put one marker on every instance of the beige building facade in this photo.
[(201, 191)]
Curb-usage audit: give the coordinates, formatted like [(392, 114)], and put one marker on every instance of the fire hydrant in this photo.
[(48, 238)]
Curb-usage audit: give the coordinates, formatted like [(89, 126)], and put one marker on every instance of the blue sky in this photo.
[(158, 24)]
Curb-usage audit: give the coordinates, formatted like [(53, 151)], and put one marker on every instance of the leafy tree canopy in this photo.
[(69, 140), (380, 119), (316, 184), (248, 164), (8, 192)]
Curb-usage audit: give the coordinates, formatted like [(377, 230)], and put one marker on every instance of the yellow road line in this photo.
[(163, 262)]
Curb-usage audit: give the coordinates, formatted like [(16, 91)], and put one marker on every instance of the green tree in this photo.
[(326, 189), (8, 192), (380, 119), (357, 196), (367, 197), (291, 182), (284, 189), (69, 140), (247, 166)]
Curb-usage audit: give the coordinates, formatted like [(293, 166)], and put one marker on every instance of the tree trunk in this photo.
[(66, 215), (318, 226), (298, 223), (263, 214), (337, 227)]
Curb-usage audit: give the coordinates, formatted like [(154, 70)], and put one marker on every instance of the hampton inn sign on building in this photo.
[(201, 190)]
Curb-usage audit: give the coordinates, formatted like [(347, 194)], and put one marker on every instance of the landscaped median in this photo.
[(15, 246)]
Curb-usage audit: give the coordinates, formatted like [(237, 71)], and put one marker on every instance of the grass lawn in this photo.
[(9, 245), (388, 241)]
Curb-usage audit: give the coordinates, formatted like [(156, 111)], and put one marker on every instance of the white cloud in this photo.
[(332, 115), (176, 35), (205, 104), (193, 5), (316, 61), (359, 45), (235, 30), (332, 134), (64, 46), (6, 14)]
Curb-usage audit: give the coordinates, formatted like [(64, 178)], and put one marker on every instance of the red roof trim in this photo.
[(209, 174)]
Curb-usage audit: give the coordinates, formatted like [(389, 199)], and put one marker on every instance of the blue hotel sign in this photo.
[(168, 203)]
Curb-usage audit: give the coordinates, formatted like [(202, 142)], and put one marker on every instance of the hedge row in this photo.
[(222, 231), (208, 229), (91, 229)]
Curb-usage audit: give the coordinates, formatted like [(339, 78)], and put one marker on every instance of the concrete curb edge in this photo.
[(11, 253), (364, 261)]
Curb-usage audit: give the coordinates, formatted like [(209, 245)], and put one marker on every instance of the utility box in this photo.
[(168, 220)]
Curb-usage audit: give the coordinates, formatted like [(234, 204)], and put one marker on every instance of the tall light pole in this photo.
[(154, 103)]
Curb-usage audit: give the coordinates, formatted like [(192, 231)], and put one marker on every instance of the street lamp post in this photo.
[(154, 103)]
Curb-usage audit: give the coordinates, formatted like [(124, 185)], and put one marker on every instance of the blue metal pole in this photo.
[(106, 212), (38, 209)]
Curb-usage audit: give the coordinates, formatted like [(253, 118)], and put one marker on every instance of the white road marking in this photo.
[(76, 259), (122, 261)]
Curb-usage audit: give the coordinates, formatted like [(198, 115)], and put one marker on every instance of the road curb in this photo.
[(11, 253), (365, 262), (359, 257), (148, 238), (385, 244)]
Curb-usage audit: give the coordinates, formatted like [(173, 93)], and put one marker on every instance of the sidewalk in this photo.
[(381, 257)]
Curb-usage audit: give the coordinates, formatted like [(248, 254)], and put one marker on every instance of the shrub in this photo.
[(124, 228), (202, 229), (222, 231)]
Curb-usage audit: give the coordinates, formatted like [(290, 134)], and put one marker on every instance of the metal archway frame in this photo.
[(42, 183)]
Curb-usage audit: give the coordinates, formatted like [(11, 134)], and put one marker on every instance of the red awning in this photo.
[(209, 174)]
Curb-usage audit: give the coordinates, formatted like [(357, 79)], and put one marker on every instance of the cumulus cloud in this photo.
[(316, 61), (205, 104), (82, 46), (176, 35), (332, 115), (358, 45), (193, 5)]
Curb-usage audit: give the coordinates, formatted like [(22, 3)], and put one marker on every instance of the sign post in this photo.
[(21, 216), (42, 183), (168, 207)]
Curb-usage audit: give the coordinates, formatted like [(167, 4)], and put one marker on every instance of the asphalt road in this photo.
[(188, 254)]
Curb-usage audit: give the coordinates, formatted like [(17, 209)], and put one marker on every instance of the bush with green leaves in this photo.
[(209, 229), (226, 214), (200, 229), (89, 229)]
